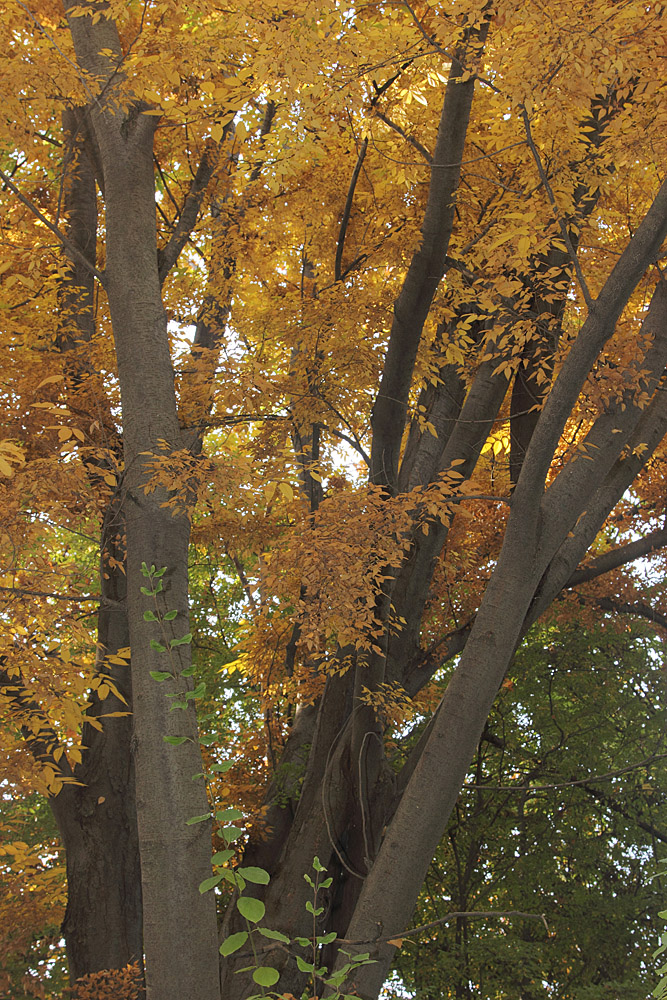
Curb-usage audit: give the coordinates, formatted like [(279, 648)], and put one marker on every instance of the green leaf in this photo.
[(326, 938), (183, 641), (146, 590), (256, 875), (228, 815), (309, 880), (170, 615), (661, 989), (160, 572), (233, 943), (266, 976), (145, 570), (273, 935), (325, 885), (209, 883), (150, 616), (221, 768), (175, 741), (157, 646), (160, 675), (311, 909), (233, 878), (220, 857), (197, 819), (189, 671), (317, 865), (304, 966), (250, 908), (304, 942)]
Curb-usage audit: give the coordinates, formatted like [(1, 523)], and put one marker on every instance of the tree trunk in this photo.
[(97, 820), (180, 933)]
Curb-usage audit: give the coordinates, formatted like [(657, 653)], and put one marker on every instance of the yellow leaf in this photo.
[(524, 246), (286, 490), (50, 379), (5, 469)]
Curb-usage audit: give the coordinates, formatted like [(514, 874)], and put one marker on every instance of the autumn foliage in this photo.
[(350, 318)]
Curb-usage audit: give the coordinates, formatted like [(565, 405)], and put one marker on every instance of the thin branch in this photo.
[(76, 67), (245, 583), (68, 245), (615, 807), (454, 915), (187, 218), (354, 444), (408, 138), (338, 275), (397, 939), (56, 597), (570, 784), (431, 41), (561, 222)]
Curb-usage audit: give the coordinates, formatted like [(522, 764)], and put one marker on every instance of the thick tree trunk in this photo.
[(180, 932), (97, 820), (179, 923)]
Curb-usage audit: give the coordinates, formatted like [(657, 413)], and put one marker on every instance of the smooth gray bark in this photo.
[(179, 923)]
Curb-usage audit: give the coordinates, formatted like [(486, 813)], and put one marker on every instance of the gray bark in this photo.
[(179, 922)]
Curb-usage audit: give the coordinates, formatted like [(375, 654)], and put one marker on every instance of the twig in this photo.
[(469, 914), (56, 597), (570, 784), (561, 223)]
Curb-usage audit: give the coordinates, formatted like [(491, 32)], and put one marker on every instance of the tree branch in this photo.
[(67, 244), (338, 266), (561, 223), (424, 275), (408, 138), (570, 784), (618, 557), (593, 335), (187, 219), (43, 741)]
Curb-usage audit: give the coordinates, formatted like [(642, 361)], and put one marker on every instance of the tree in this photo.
[(509, 212), (528, 838)]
